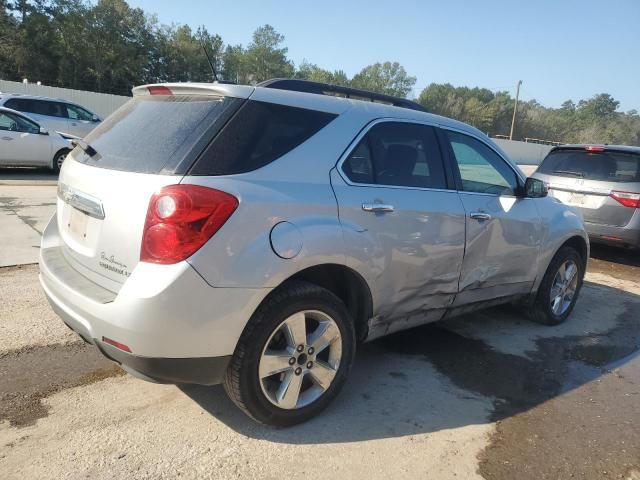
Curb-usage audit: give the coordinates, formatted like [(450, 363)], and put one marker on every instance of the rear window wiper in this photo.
[(86, 148), (569, 172)]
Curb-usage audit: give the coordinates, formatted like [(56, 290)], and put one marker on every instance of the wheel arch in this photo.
[(55, 156), (579, 244), (345, 283)]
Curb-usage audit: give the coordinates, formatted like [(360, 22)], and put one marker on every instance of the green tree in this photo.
[(118, 42), (599, 106), (235, 66), (389, 78), (265, 56), (311, 71)]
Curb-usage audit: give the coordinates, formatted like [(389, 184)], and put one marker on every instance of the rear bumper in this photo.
[(629, 235), (179, 329), (198, 370), (202, 371)]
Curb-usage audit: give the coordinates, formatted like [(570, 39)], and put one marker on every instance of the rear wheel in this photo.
[(58, 160), (559, 288), (293, 357)]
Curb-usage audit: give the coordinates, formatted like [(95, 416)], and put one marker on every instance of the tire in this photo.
[(248, 381), (546, 309), (58, 159)]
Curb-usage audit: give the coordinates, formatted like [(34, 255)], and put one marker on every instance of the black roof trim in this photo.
[(319, 88)]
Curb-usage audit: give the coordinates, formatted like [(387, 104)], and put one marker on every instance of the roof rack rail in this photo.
[(319, 88)]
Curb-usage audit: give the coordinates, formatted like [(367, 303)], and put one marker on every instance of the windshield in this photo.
[(609, 166), (156, 134)]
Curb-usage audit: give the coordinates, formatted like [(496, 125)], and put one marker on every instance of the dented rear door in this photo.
[(403, 227)]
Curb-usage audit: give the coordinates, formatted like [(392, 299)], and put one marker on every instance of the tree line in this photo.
[(109, 47)]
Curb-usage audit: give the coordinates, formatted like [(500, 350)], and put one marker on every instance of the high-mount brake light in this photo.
[(594, 148), (181, 219), (159, 90), (628, 199)]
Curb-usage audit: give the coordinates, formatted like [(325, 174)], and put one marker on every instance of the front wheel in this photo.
[(58, 160), (559, 288), (293, 357)]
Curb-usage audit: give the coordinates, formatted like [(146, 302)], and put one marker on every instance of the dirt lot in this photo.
[(486, 395)]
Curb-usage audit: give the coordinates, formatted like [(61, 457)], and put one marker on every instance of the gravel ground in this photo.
[(26, 320), (487, 395)]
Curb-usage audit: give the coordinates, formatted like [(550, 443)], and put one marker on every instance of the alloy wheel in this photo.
[(563, 288), (300, 359), (60, 160)]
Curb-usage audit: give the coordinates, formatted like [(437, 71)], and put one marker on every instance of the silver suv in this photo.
[(55, 114), (253, 236), (603, 182)]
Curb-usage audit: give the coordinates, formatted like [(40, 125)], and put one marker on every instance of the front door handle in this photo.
[(7, 138), (480, 216), (377, 207)]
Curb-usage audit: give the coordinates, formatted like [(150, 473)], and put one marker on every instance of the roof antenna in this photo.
[(213, 70)]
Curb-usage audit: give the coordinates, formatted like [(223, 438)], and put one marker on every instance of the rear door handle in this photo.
[(7, 138), (377, 207), (480, 216)]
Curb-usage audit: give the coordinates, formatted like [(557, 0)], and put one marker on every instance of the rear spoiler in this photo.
[(215, 89)]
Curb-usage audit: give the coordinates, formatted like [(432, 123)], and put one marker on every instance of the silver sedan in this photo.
[(24, 143)]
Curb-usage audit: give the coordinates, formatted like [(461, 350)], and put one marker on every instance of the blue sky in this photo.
[(563, 49)]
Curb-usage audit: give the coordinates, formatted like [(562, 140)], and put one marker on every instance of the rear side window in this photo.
[(20, 104), (77, 113), (157, 133), (52, 109), (257, 135), (609, 166), (399, 154), (40, 107)]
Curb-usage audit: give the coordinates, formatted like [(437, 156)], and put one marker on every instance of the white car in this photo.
[(53, 113), (24, 143)]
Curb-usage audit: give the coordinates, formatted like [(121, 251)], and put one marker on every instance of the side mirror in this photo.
[(43, 131), (95, 118), (535, 188)]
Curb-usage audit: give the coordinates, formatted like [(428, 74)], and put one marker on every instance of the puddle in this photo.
[(530, 392), (29, 375)]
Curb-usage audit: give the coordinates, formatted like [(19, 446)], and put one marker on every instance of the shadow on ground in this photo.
[(27, 175), (620, 255), (481, 367)]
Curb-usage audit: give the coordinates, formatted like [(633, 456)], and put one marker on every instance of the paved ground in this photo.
[(488, 395), (24, 212)]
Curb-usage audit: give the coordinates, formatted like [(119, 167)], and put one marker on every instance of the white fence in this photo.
[(524, 153), (102, 104)]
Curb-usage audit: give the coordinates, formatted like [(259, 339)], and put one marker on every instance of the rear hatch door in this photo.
[(107, 181), (586, 179)]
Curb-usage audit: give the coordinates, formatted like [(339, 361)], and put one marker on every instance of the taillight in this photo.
[(628, 199), (180, 219)]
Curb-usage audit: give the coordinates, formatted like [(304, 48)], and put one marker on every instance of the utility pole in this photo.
[(515, 109)]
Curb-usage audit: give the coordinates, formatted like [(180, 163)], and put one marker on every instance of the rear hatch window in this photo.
[(608, 165), (157, 133)]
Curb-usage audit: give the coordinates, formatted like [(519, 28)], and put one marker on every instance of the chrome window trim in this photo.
[(354, 143)]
